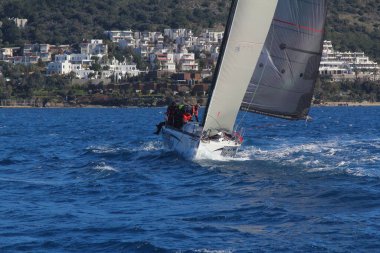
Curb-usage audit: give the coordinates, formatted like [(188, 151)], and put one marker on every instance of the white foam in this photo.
[(331, 152), (104, 167), (212, 251), (358, 172), (204, 154), (103, 149), (342, 163), (312, 163), (370, 159), (321, 169), (149, 146)]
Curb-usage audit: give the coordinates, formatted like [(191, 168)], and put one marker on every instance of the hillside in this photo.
[(70, 21), (355, 24), (352, 24)]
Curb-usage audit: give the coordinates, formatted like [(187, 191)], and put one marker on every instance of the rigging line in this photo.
[(217, 122), (258, 83)]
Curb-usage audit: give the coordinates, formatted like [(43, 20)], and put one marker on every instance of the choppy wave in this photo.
[(98, 186), (103, 149), (104, 167), (340, 156)]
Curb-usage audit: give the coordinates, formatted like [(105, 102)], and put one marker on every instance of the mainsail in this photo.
[(245, 35), (283, 82)]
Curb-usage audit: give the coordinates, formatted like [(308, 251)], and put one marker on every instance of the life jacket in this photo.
[(186, 117)]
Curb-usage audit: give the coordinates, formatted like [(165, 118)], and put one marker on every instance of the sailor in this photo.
[(170, 112), (195, 111), (178, 116), (169, 118)]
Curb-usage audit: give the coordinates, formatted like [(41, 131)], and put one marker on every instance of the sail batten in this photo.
[(283, 82)]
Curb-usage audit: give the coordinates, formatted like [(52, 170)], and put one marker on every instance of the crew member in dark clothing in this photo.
[(170, 114), (169, 117), (178, 116), (195, 111)]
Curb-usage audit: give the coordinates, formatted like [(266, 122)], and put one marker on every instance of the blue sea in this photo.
[(99, 180)]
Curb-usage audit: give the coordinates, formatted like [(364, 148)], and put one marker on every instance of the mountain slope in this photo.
[(352, 24)]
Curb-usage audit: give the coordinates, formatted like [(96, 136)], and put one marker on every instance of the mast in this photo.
[(246, 31)]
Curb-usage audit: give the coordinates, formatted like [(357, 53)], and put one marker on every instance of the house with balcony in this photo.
[(25, 60), (120, 70), (94, 48), (59, 68), (42, 51), (83, 73), (173, 34), (334, 63), (211, 36), (164, 60), (60, 49), (116, 36), (82, 59), (7, 53), (186, 61)]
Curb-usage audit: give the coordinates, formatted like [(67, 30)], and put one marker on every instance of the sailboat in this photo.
[(268, 65)]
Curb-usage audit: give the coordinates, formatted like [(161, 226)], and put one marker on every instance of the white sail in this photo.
[(245, 36)]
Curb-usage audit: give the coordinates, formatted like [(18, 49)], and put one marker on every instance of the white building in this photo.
[(116, 36), (165, 61), (80, 59), (94, 48), (20, 22), (65, 63), (62, 58), (344, 63), (83, 73), (59, 67), (173, 34), (212, 36), (120, 70), (186, 61)]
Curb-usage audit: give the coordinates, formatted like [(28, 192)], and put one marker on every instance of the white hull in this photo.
[(188, 143)]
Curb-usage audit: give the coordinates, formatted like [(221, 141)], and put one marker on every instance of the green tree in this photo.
[(11, 33), (95, 67)]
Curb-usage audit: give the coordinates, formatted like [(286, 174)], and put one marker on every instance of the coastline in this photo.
[(325, 104)]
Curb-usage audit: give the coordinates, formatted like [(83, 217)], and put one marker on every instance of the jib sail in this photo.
[(245, 35)]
